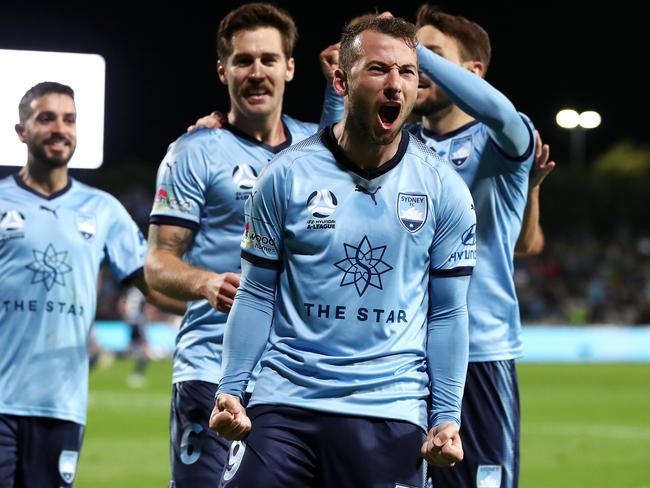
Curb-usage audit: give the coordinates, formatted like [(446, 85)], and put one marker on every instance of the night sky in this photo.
[(161, 62)]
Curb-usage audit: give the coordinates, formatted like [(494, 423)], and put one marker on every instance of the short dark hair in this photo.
[(252, 16), (37, 91), (392, 26), (473, 41)]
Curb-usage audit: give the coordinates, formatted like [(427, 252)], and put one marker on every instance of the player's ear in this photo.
[(221, 71), (476, 67), (340, 82), (20, 130), (291, 69)]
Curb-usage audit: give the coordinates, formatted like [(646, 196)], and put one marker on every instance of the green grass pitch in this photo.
[(583, 425)]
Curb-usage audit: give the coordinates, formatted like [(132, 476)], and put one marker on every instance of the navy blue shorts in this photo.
[(294, 447), (38, 452), (489, 429), (197, 454)]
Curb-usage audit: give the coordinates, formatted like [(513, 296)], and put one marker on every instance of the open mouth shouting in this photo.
[(388, 114)]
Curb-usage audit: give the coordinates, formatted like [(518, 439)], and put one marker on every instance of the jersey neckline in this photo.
[(448, 135), (331, 143), (274, 149), (19, 181)]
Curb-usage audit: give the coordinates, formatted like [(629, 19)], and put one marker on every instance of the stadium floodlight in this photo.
[(589, 119), (85, 73), (567, 118), (577, 124)]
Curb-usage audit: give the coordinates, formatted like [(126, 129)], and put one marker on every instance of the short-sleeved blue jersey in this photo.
[(202, 184), (499, 186), (51, 250)]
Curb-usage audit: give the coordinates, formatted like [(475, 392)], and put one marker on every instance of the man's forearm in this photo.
[(169, 274)]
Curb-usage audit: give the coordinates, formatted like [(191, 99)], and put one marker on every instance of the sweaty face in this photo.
[(431, 99), (256, 72), (50, 132), (382, 86)]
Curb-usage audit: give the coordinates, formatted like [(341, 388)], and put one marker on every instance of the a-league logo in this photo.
[(322, 203), (244, 176)]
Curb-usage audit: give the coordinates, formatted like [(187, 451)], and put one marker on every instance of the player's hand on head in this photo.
[(216, 120), (443, 446), (541, 165), (385, 15), (229, 419), (220, 290), (329, 61)]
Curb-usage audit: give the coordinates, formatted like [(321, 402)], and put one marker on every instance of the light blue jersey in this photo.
[(357, 253), (51, 250), (202, 184), (499, 186)]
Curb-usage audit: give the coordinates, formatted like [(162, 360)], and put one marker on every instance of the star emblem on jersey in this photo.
[(49, 267), (363, 266), (460, 150)]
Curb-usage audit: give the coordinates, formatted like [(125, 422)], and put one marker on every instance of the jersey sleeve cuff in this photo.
[(260, 262), (448, 273), (176, 221)]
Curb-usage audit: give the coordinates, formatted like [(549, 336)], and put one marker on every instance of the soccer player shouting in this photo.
[(358, 247)]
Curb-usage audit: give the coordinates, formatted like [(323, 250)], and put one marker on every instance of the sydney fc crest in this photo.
[(412, 210), (460, 150), (488, 476), (86, 225), (68, 465)]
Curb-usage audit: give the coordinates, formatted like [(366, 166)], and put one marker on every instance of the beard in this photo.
[(430, 107), (39, 154)]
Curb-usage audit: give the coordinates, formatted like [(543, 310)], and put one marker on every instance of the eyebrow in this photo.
[(401, 66)]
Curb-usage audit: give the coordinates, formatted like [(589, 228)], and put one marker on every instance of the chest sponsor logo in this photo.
[(363, 266), (488, 476), (49, 267), (86, 225), (412, 210), (321, 205), (460, 150)]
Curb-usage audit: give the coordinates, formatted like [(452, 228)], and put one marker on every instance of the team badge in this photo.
[(244, 176), (460, 150), (86, 225), (412, 210), (322, 203), (68, 465), (488, 476)]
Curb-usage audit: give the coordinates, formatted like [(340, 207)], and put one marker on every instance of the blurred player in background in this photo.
[(492, 146), (134, 313), (356, 258), (55, 233), (198, 217)]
